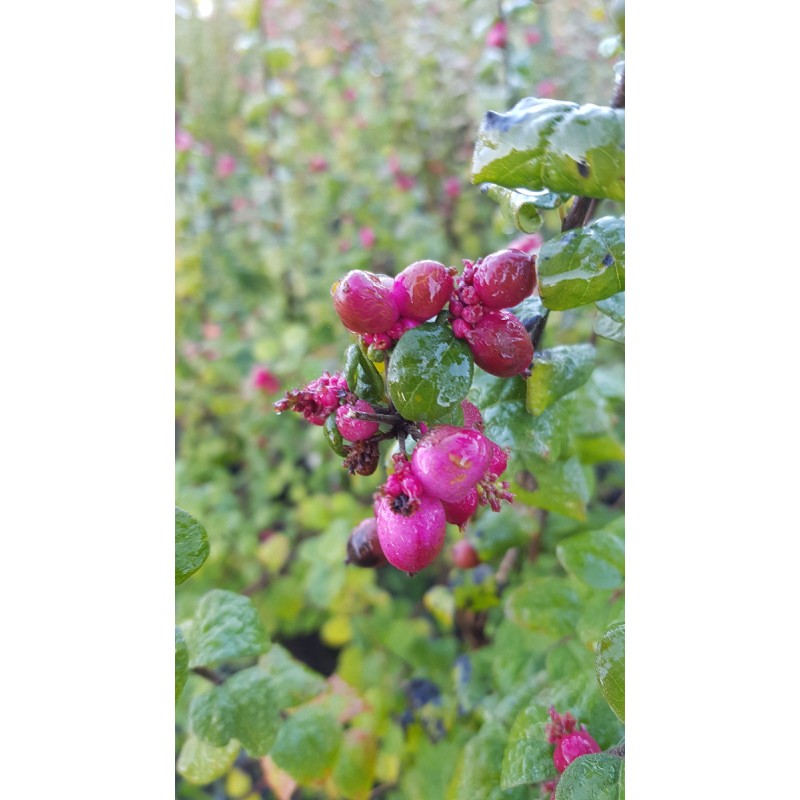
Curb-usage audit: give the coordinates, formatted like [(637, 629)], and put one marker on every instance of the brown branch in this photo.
[(209, 675)]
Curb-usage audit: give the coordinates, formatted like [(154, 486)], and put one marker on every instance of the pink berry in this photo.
[(422, 289), (262, 378), (459, 513), (497, 35), (499, 461), (364, 302), (500, 344), (465, 556), (452, 187), (527, 243), (505, 278), (226, 165), (572, 746), (352, 428), (449, 461), (410, 542), (367, 238)]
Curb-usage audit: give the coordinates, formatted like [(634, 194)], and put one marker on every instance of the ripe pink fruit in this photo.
[(364, 302), (411, 542), (367, 237), (497, 35), (459, 513), (422, 289), (465, 556), (572, 746), (261, 378), (449, 461), (352, 428), (500, 344), (527, 243), (504, 278)]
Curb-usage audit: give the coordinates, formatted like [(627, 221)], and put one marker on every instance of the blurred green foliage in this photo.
[(313, 138)]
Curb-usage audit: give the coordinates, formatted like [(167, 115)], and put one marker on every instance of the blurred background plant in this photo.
[(314, 137)]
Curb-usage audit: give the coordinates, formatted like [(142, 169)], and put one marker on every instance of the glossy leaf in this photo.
[(610, 321), (307, 743), (362, 377), (543, 471), (211, 716), (545, 605), (610, 667), (528, 756), (430, 372), (583, 265), (596, 776), (225, 627), (191, 545), (594, 557), (556, 372), (555, 145), (333, 437), (181, 662), (254, 710), (517, 207), (292, 682), (201, 763)]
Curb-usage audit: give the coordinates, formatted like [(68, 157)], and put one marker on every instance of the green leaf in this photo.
[(191, 545), (556, 372), (596, 776), (332, 436), (200, 763), (555, 145), (528, 756), (211, 716), (225, 627), (254, 710), (479, 769), (307, 744), (594, 557), (293, 682), (584, 265), (181, 662), (362, 377), (430, 371), (610, 322), (610, 668), (542, 474), (517, 207), (545, 605), (354, 771)]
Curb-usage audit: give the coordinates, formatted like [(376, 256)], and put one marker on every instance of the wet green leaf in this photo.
[(430, 372), (333, 437), (355, 766), (362, 377), (610, 667), (211, 716), (293, 682), (594, 557), (528, 756), (584, 265), (556, 372), (546, 605), (200, 762), (307, 743), (553, 145), (517, 207), (181, 662), (225, 627), (191, 545), (254, 710), (596, 776), (610, 322)]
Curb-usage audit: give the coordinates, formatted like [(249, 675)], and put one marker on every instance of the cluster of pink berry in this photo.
[(452, 470), (381, 309), (569, 742)]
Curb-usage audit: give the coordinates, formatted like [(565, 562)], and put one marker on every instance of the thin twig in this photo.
[(209, 675)]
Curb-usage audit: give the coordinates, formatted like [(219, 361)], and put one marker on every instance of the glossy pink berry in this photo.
[(505, 278), (364, 302), (572, 746), (352, 428), (449, 461), (465, 556), (500, 344), (410, 542), (459, 513), (422, 289), (499, 460)]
